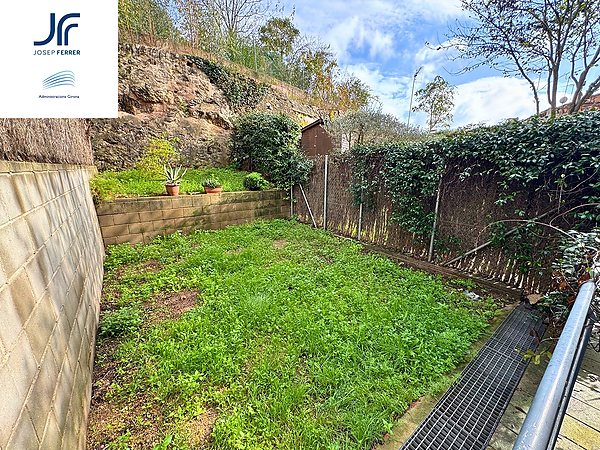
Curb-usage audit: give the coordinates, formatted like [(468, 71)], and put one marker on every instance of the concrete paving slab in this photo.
[(580, 428)]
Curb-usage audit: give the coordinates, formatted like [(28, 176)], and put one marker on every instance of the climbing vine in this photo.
[(240, 91), (578, 261), (408, 172), (560, 156)]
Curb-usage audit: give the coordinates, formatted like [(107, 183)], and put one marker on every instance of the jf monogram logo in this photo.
[(62, 37)]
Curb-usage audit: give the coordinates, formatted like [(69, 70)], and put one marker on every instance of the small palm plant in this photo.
[(173, 176)]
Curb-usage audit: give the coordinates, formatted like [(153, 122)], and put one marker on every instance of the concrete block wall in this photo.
[(141, 219), (51, 256)]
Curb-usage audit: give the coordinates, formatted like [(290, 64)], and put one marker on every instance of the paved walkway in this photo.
[(581, 426)]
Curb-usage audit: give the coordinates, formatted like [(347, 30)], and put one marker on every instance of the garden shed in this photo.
[(316, 140)]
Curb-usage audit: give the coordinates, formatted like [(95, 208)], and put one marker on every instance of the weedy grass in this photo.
[(299, 339), (132, 183)]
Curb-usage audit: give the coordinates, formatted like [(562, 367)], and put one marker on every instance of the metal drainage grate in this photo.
[(467, 415)]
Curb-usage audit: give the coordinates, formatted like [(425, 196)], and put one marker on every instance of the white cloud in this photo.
[(392, 90), (355, 32), (491, 100), (381, 44), (377, 26), (488, 100)]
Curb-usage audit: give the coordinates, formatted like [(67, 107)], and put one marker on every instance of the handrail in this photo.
[(539, 431)]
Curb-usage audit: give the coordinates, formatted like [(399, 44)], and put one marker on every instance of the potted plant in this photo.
[(212, 186), (173, 175)]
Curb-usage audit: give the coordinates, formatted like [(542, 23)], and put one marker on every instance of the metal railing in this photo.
[(542, 424)]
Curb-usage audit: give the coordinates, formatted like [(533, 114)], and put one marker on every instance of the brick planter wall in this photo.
[(141, 219)]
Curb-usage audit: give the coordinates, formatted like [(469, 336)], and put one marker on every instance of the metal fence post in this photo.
[(360, 209), (308, 206), (435, 219), (325, 193)]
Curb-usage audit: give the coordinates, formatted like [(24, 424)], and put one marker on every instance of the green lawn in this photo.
[(297, 340), (131, 183)]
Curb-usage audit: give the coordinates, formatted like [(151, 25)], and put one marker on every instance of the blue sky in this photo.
[(383, 42)]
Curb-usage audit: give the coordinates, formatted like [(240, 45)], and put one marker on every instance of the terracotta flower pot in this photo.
[(172, 189), (215, 190)]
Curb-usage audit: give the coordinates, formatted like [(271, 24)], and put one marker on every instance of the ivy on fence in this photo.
[(560, 156)]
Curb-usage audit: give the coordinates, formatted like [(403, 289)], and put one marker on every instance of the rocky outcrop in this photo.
[(163, 94)]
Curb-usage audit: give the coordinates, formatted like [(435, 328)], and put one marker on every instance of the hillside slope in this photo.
[(162, 93)]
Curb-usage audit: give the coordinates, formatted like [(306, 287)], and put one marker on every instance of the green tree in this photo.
[(318, 70), (437, 100), (538, 40), (147, 17), (353, 93), (268, 143), (278, 35)]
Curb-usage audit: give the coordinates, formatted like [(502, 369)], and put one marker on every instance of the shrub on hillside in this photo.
[(268, 143)]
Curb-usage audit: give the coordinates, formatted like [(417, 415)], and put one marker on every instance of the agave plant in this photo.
[(173, 175), (211, 183)]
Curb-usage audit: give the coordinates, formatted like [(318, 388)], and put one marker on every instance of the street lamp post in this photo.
[(412, 94)]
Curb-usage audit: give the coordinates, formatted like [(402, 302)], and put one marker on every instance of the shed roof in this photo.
[(314, 124)]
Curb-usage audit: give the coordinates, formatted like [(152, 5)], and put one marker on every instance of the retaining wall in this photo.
[(141, 219), (50, 283)]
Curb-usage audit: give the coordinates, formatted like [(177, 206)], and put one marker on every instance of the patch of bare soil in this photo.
[(280, 243), (199, 429), (173, 305), (141, 417), (152, 265)]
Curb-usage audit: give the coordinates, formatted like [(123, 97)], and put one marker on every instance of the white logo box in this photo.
[(60, 59)]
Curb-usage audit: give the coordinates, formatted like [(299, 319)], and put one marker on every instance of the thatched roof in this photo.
[(64, 141)]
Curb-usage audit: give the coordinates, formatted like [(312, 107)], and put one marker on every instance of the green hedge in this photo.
[(268, 143)]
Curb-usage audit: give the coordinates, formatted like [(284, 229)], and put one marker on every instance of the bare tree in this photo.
[(238, 17), (198, 26), (533, 39)]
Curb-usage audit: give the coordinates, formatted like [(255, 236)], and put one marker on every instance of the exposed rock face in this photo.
[(162, 93)]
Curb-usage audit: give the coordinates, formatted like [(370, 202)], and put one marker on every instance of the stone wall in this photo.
[(50, 283), (141, 219), (162, 93)]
